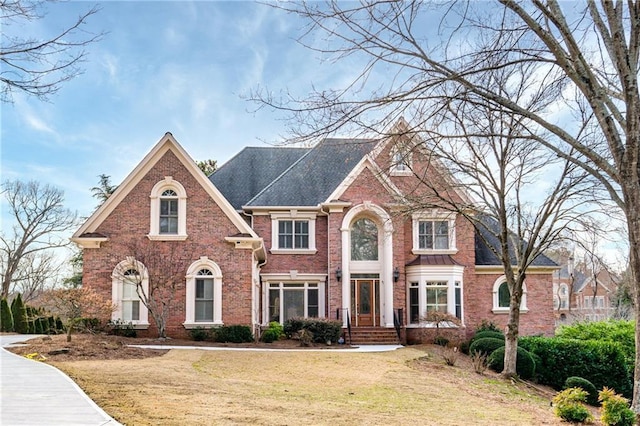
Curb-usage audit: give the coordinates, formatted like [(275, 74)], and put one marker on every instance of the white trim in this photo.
[(433, 216), (192, 273), (117, 291), (421, 274), (155, 199), (90, 242), (293, 215), (505, 310), (306, 281), (165, 144)]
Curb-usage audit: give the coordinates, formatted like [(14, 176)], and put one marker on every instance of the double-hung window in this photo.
[(204, 296), (433, 234), (169, 212), (129, 283), (437, 296), (130, 298), (293, 234)]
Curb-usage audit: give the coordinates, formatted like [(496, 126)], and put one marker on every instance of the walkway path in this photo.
[(34, 393)]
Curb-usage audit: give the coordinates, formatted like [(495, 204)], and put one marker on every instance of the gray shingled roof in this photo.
[(313, 178), (485, 256), (251, 170)]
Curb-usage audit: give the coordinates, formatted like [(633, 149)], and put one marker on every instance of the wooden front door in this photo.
[(364, 298)]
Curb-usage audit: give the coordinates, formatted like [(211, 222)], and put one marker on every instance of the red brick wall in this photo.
[(207, 226)]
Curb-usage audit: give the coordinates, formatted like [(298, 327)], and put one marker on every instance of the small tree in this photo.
[(74, 304), (20, 324), (207, 166), (5, 316)]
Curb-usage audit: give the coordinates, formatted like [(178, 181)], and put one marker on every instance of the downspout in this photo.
[(256, 302)]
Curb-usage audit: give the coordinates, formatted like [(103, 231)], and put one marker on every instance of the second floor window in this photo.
[(433, 234), (293, 234), (169, 212)]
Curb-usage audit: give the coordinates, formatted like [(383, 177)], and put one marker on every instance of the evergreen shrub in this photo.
[(615, 409), (6, 317), (274, 332), (585, 385), (322, 330), (525, 365), (20, 324), (569, 405), (602, 363), (485, 345), (234, 334)]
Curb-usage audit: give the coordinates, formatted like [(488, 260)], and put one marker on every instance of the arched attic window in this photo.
[(168, 211)]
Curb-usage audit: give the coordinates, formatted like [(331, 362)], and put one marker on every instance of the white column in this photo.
[(387, 270), (346, 279)]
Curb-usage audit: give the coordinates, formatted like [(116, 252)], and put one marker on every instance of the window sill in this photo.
[(134, 325), (418, 251), (193, 325), (293, 251), (168, 237), (503, 311), (401, 172), (432, 325)]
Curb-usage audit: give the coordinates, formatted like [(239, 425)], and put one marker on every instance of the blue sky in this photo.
[(181, 67)]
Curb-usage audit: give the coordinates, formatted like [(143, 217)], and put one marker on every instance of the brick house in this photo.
[(281, 232), (583, 297)]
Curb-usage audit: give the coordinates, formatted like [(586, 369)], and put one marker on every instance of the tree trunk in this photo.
[(633, 225), (511, 339)]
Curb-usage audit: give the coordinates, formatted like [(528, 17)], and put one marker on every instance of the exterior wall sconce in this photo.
[(339, 274), (396, 275)]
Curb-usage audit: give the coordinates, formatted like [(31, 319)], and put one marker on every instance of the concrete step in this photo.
[(373, 336)]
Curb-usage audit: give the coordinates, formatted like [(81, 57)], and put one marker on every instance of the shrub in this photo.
[(234, 334), (52, 325), (585, 385), (37, 326), (20, 324), (479, 361), (486, 325), (6, 318), (59, 325), (486, 345), (615, 409), (199, 334), (121, 328), (273, 333), (620, 331), (488, 333), (602, 363), (441, 341), (322, 330), (450, 355), (569, 405), (525, 365)]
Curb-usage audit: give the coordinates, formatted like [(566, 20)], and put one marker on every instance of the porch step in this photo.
[(373, 336)]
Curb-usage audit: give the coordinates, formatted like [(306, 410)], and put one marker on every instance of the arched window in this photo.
[(204, 294), (168, 211), (502, 296), (129, 280), (364, 240)]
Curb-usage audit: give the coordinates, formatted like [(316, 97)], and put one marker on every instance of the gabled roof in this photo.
[(486, 257), (253, 169), (311, 180), (165, 144)]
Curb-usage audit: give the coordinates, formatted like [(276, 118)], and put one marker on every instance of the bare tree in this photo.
[(40, 66), (40, 221), (157, 271), (587, 56), (40, 271)]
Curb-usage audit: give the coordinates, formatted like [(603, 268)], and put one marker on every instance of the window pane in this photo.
[(293, 304), (135, 310), (504, 296), (414, 305), (442, 235), (364, 240), (312, 303), (285, 234), (458, 302), (204, 310), (274, 305), (425, 234)]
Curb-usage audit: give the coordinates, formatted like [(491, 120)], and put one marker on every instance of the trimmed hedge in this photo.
[(602, 363), (525, 365), (485, 345), (233, 334), (585, 385), (322, 330)]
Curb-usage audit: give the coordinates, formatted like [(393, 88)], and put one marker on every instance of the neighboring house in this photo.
[(579, 297), (278, 233)]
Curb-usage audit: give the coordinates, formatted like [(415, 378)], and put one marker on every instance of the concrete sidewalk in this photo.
[(34, 393)]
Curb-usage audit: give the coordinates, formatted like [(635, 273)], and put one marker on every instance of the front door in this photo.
[(363, 303)]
